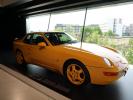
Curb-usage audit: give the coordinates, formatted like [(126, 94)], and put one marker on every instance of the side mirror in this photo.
[(42, 44)]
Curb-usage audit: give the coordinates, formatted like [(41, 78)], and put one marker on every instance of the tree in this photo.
[(92, 33), (109, 33), (92, 29), (58, 29)]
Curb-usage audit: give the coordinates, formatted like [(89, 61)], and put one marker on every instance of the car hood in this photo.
[(100, 51)]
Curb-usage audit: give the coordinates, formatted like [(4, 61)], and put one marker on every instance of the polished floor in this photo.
[(119, 90), (13, 89), (18, 87)]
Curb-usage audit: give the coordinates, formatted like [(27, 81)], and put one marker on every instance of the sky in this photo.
[(97, 15), (105, 13)]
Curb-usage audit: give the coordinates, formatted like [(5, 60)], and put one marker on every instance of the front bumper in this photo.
[(97, 75)]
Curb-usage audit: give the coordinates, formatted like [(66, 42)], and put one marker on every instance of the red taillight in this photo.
[(110, 73)]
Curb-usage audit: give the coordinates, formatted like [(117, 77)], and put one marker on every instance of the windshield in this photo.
[(57, 38)]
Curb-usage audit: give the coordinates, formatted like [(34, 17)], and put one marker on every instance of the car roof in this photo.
[(44, 32)]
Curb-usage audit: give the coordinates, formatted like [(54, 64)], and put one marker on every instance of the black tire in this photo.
[(20, 58), (85, 71)]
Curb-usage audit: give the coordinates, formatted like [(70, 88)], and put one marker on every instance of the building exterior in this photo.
[(128, 30), (115, 25), (105, 27), (74, 30), (68, 28)]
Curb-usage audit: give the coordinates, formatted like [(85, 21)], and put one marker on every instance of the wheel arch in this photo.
[(17, 49)]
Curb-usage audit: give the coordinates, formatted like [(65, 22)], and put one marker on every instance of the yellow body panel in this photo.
[(54, 57)]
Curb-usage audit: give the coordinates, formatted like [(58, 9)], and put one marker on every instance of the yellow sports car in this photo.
[(80, 65)]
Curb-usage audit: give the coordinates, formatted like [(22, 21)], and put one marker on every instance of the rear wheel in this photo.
[(76, 73), (20, 58)]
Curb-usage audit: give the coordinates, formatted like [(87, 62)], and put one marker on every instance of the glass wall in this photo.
[(69, 22), (37, 23), (110, 26)]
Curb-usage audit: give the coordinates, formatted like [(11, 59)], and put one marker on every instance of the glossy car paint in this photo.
[(91, 55)]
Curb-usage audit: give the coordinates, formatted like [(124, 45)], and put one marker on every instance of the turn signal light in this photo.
[(110, 73)]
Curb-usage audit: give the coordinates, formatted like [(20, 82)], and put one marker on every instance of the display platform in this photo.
[(119, 90)]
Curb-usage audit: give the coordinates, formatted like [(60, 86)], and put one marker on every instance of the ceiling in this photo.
[(31, 7)]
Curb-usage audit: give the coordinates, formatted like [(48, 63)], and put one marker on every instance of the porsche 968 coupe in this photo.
[(80, 65)]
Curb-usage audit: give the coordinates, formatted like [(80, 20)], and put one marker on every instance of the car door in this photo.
[(42, 56), (27, 49)]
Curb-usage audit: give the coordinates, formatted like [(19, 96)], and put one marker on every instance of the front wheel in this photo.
[(76, 73)]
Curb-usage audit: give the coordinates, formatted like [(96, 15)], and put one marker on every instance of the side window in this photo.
[(52, 37), (37, 39), (28, 39), (64, 38)]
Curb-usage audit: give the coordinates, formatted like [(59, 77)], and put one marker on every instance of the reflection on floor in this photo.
[(119, 90)]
